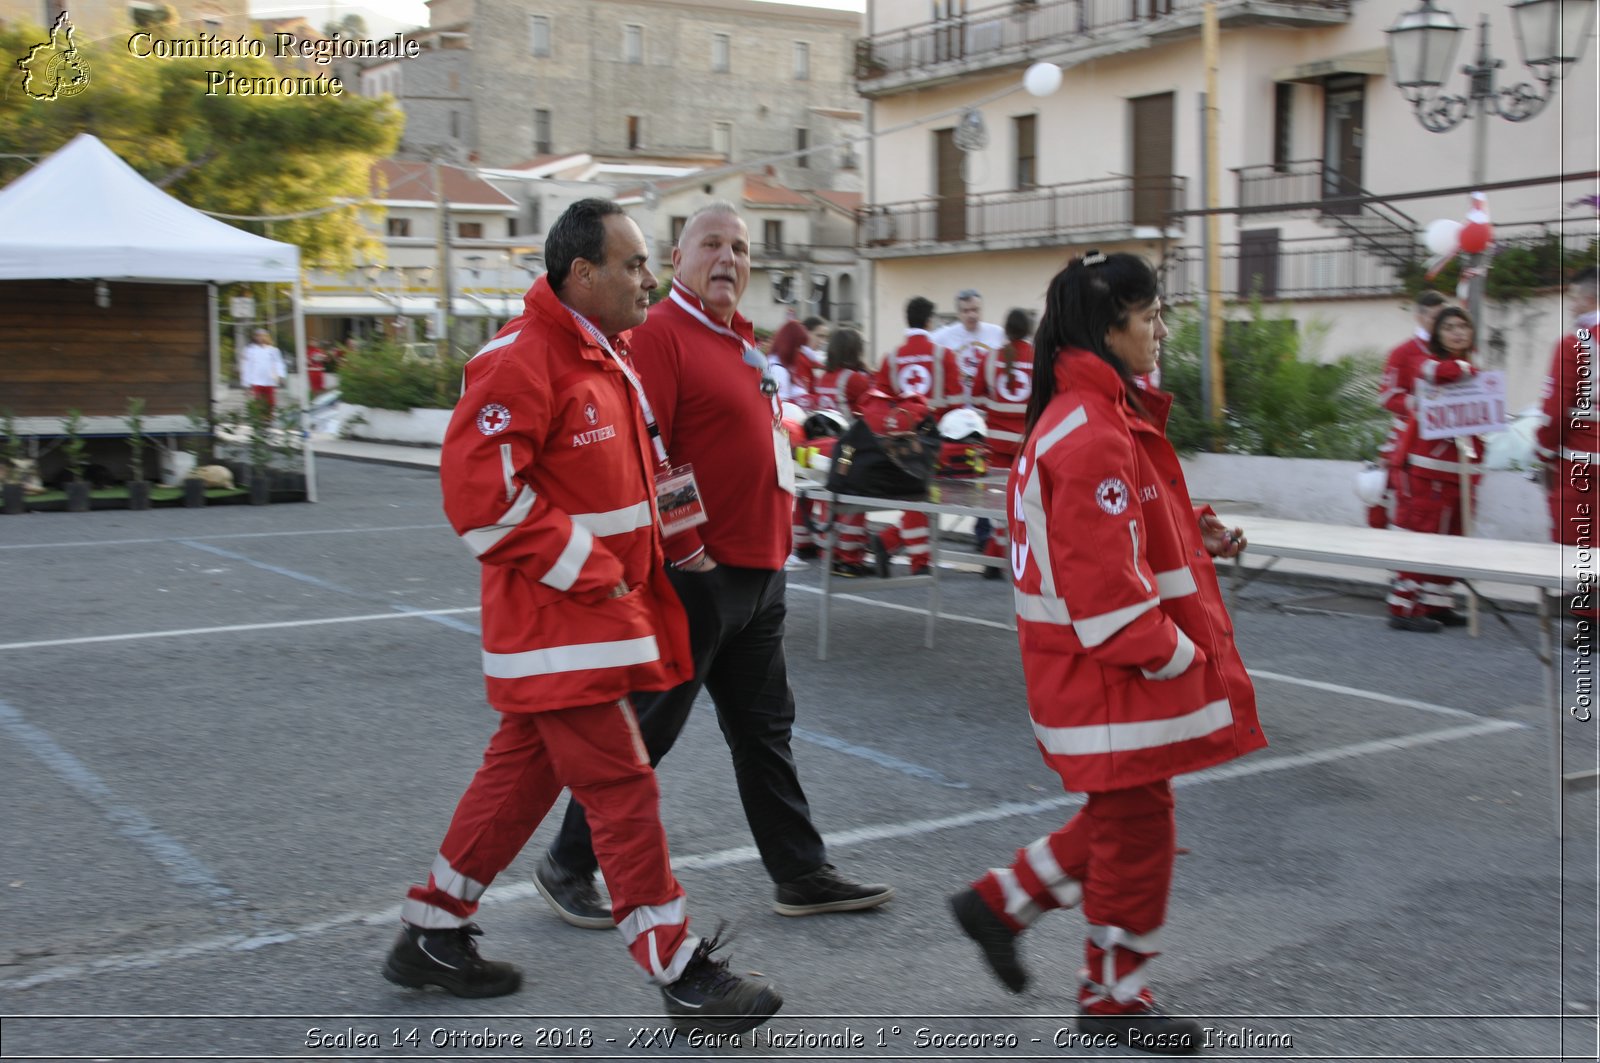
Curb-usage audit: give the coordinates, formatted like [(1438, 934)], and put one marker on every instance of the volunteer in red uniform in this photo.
[(1429, 498), (548, 477), (845, 378), (1567, 438), (922, 368), (788, 349), (718, 416), (1127, 649), (1001, 390), (1402, 370)]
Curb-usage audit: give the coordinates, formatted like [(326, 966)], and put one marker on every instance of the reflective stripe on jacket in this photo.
[(548, 477), (1127, 649)]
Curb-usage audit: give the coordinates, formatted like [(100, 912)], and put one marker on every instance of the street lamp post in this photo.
[(1551, 35)]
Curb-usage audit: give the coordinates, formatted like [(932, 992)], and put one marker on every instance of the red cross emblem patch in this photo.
[(1112, 494), (493, 419)]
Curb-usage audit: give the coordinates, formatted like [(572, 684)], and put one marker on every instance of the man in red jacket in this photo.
[(1568, 442), (719, 415), (549, 477)]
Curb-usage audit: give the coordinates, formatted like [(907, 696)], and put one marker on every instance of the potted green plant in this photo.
[(74, 448), (258, 416), (289, 479), (10, 471), (138, 486)]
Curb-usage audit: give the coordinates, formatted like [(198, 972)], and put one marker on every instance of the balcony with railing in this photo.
[(1022, 31), (1318, 267), (1311, 186), (1110, 209)]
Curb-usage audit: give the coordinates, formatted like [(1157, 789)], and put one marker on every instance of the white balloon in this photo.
[(1042, 79), (1442, 237)]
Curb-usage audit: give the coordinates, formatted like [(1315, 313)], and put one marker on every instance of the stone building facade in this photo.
[(729, 79)]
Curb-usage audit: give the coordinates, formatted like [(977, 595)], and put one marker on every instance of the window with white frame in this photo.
[(539, 35), (722, 139), (721, 53), (802, 61), (541, 131), (633, 44)]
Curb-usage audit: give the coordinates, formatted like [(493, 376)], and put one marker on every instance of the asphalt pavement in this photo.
[(230, 738)]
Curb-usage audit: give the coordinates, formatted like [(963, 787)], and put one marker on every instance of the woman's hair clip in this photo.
[(1093, 258)]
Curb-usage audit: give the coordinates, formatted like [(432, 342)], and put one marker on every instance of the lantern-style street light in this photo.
[(1551, 36)]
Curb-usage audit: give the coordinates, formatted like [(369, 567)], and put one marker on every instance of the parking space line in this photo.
[(878, 757), (747, 854), (400, 614), (184, 867), (224, 535)]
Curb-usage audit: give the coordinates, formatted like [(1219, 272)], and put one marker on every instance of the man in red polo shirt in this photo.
[(717, 408)]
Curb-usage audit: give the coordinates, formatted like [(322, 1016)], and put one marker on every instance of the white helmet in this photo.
[(822, 423), (792, 412), (1371, 483), (961, 423)]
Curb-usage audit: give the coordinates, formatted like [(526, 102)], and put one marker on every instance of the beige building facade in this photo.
[(1307, 111)]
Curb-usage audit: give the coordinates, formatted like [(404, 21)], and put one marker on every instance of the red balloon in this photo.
[(1475, 236)]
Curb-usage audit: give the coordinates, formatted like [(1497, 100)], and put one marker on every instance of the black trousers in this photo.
[(736, 618)]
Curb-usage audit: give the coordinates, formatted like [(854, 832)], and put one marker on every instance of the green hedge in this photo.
[(1276, 404), (383, 376)]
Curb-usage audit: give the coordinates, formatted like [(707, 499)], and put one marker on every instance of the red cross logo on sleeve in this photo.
[(1112, 494), (493, 418)]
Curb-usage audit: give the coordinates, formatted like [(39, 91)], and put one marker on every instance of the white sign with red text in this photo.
[(1471, 407)]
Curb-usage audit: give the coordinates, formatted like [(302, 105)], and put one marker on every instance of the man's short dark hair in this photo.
[(1430, 299), (580, 232), (919, 311), (812, 322)]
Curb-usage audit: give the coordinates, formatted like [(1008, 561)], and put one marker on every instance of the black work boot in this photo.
[(572, 895), (997, 941), (712, 999), (825, 890), (880, 555), (1148, 1030), (447, 957)]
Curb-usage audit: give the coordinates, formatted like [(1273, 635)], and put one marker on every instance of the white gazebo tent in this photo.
[(84, 214)]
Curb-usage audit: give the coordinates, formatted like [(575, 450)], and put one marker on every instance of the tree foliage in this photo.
[(235, 154), (1276, 402)]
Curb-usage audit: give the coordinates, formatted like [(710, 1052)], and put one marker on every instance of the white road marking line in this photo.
[(747, 854), (191, 632), (227, 535), (184, 867), (1369, 695), (838, 597)]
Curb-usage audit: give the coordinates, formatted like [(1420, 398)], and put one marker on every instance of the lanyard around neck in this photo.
[(638, 389), (752, 355)]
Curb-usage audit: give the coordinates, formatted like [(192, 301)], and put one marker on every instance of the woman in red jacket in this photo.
[(1127, 650), (1428, 497)]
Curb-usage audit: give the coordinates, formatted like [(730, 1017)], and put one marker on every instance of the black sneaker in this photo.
[(1415, 623), (1149, 1031), (824, 890), (807, 553), (448, 958), (1449, 618), (993, 572), (880, 555), (996, 940), (849, 569), (710, 998), (572, 896)]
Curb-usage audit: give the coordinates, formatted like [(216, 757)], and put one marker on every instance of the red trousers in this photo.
[(1116, 857), (811, 526), (265, 393), (1424, 504), (597, 753), (912, 533)]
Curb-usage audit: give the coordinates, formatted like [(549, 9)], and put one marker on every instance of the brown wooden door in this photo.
[(1152, 158), (1258, 263), (950, 221), (1344, 116)]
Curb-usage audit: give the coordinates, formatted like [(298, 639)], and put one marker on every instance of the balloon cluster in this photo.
[(1446, 237)]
